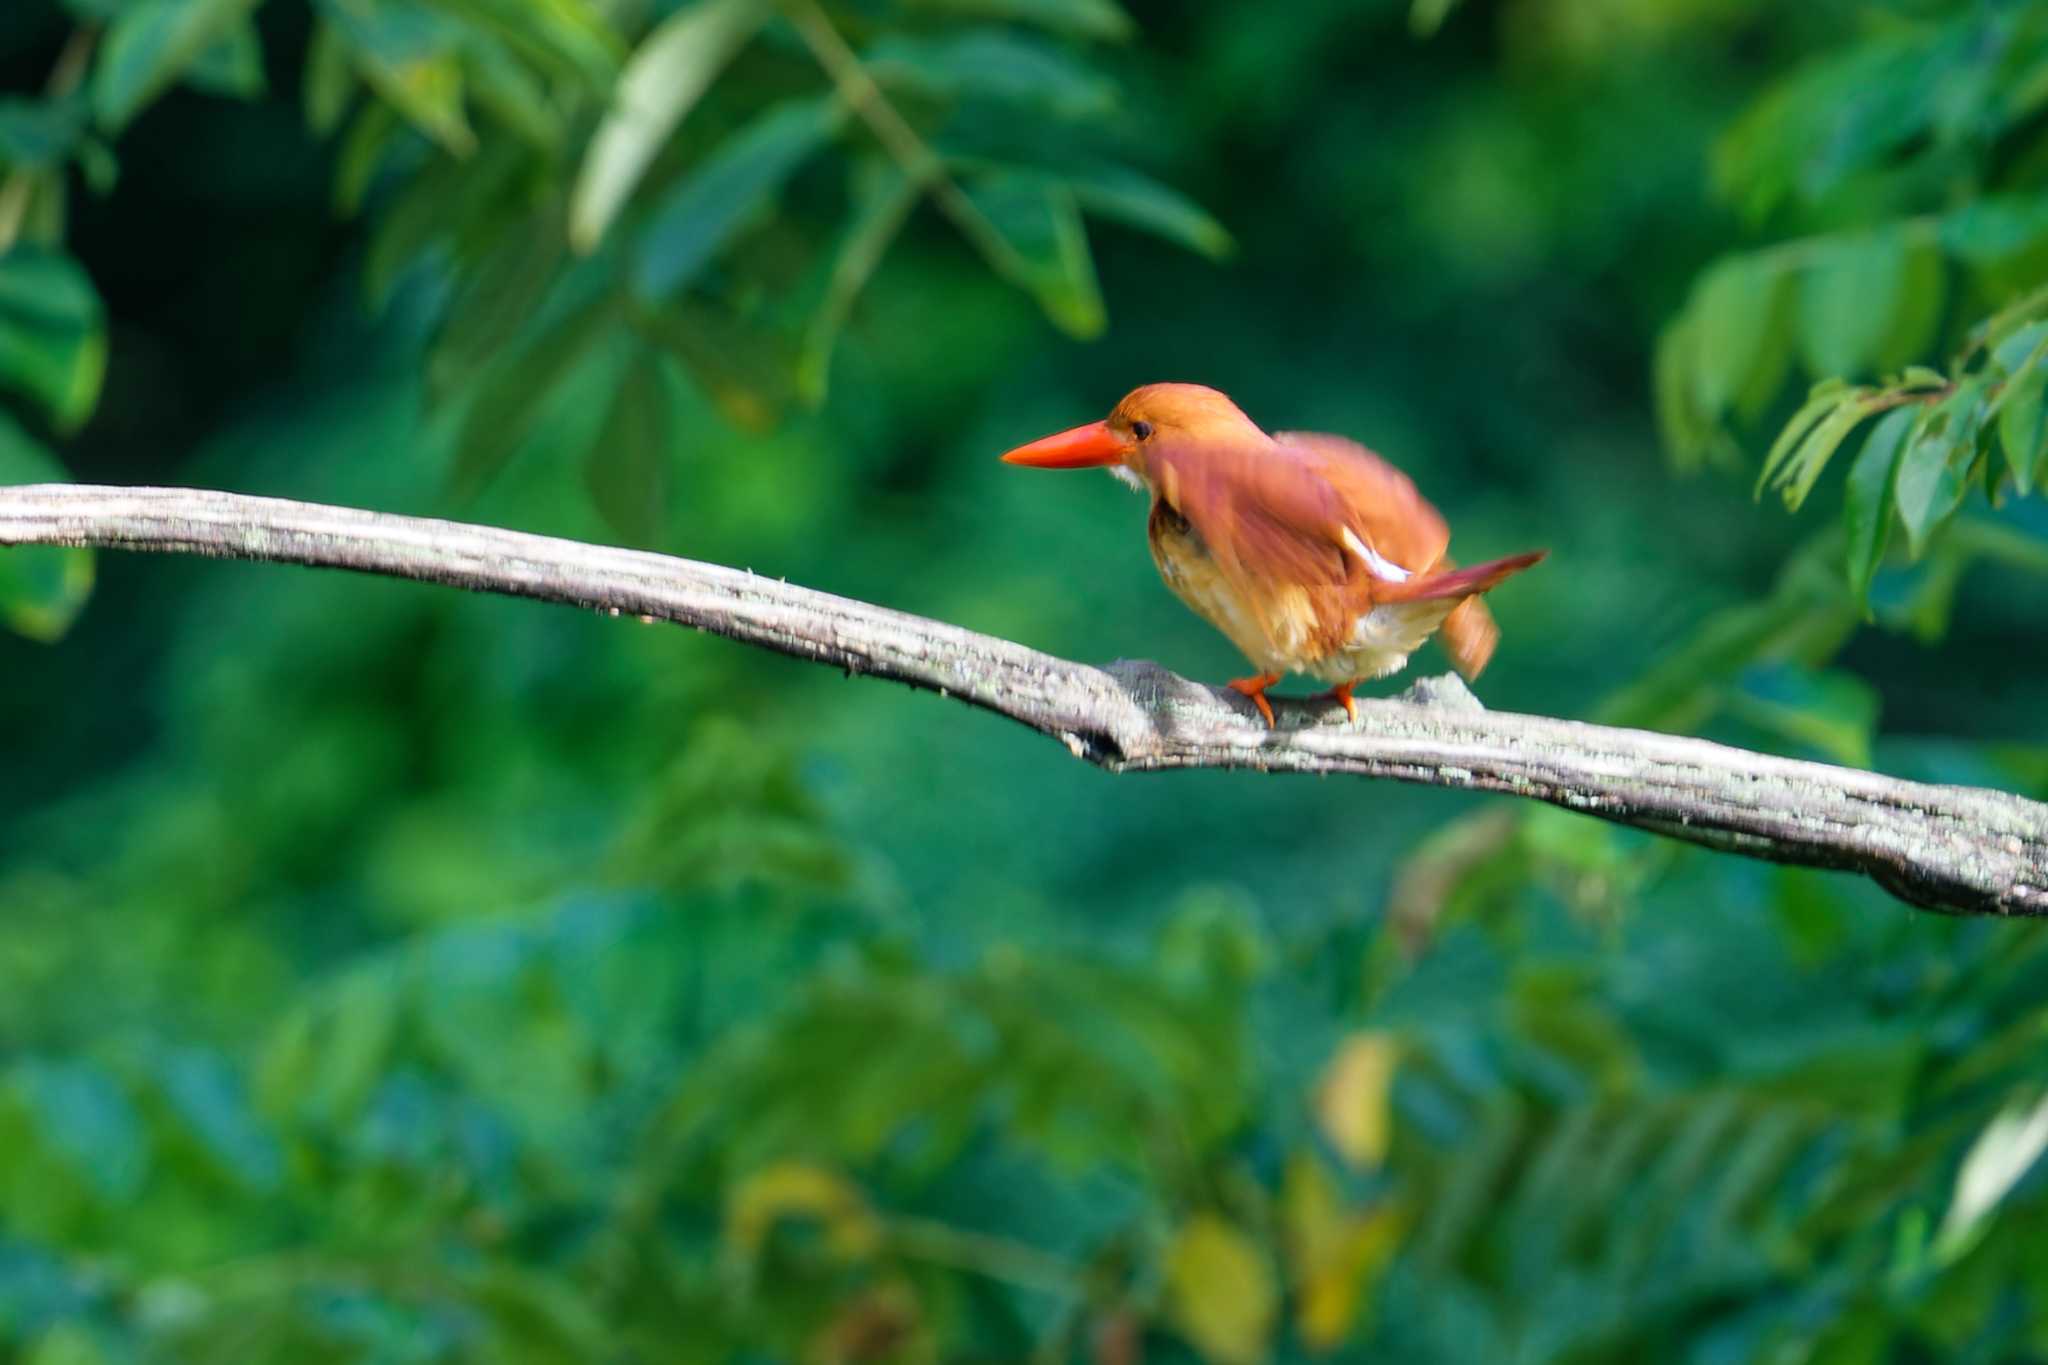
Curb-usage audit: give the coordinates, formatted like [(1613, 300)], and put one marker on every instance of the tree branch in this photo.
[(1956, 849)]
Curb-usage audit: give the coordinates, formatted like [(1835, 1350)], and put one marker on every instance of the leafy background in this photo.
[(393, 975)]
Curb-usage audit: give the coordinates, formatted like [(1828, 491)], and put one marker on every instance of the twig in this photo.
[(1958, 849)]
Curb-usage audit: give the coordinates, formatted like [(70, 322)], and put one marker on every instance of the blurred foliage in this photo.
[(396, 975), (622, 186), (1911, 158)]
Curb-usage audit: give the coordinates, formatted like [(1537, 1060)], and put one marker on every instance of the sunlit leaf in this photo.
[(1352, 1098), (42, 587), (795, 1190), (150, 45), (2009, 1145), (665, 77), (703, 212), (1867, 499), (1335, 1254), (628, 467), (1220, 1291), (53, 342)]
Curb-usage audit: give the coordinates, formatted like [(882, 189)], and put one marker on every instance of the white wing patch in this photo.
[(1379, 564)]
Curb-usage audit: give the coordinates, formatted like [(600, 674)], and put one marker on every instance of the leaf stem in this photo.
[(920, 162)]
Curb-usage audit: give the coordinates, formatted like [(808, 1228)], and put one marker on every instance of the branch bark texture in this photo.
[(1957, 849)]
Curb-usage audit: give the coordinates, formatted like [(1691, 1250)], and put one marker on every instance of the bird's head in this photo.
[(1149, 421)]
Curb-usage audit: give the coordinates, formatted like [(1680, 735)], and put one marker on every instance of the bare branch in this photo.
[(1957, 849)]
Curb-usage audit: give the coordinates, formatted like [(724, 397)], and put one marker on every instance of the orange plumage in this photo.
[(1311, 553)]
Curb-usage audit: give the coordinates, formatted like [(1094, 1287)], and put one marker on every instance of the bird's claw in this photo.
[(1255, 688), (1341, 694)]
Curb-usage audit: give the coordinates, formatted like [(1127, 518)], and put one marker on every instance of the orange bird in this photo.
[(1310, 552)]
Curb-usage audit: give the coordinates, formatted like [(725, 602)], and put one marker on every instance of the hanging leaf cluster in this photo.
[(688, 196), (1942, 112)]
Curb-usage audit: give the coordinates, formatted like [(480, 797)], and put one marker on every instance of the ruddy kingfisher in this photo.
[(1311, 553)]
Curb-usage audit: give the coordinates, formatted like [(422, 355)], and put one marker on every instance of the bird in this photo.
[(1310, 552)]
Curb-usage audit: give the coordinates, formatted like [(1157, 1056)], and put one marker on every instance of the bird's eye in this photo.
[(1141, 429)]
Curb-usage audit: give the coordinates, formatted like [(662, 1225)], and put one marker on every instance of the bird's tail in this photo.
[(1468, 632)]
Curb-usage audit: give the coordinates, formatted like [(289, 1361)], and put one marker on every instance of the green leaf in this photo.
[(509, 403), (38, 134), (1039, 221), (1819, 447), (2023, 427), (743, 373), (53, 341), (42, 587), (1735, 310), (1124, 196), (1916, 316), (1823, 400), (568, 38), (1848, 300), (992, 64), (232, 65), (496, 301), (410, 57), (330, 78), (85, 1118), (67, 1343), (1084, 18), (1687, 434), (627, 470), (1934, 473), (665, 77), (704, 212), (370, 135), (1220, 1291), (516, 95), (1867, 501), (150, 45), (883, 200), (1991, 231)]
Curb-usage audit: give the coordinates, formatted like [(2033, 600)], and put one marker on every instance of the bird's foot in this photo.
[(1255, 688), (1341, 694)]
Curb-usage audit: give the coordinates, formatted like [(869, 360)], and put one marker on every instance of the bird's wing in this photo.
[(1378, 504), (1304, 528)]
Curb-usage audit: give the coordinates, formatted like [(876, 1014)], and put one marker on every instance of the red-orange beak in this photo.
[(1079, 448)]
